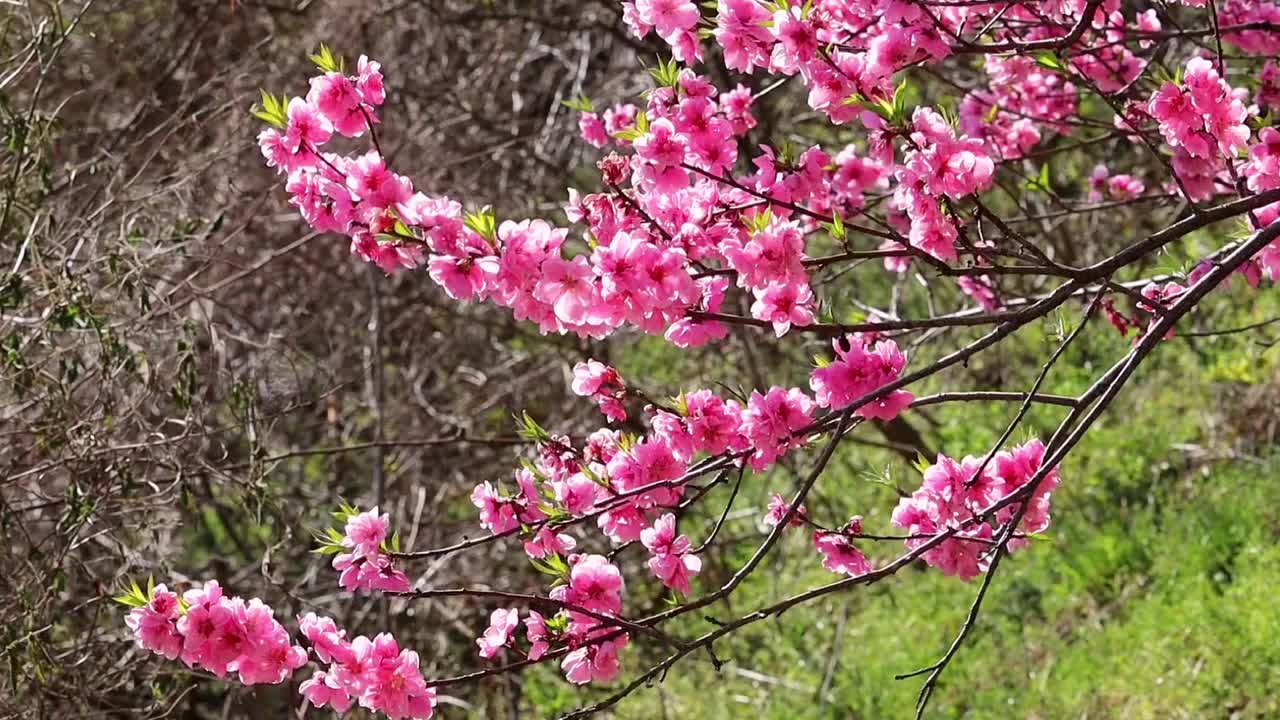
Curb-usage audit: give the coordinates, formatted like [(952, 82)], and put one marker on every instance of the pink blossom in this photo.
[(567, 286), (217, 633), (783, 305), (839, 554), (602, 383), (1125, 187), (592, 129), (778, 508), (367, 574), (326, 638), (548, 542), (369, 180), (307, 128), (595, 584), (771, 422), (497, 514), (502, 625), (595, 662), (365, 532), (953, 495), (671, 561), (155, 625), (325, 690), (861, 368), (395, 685), (1202, 115), (337, 97), (369, 81), (538, 634), (668, 17)]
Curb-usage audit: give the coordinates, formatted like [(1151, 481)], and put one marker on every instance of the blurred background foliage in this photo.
[(191, 382)]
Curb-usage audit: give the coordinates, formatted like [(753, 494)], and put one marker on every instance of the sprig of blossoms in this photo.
[(361, 552), (213, 632), (377, 674), (696, 215), (1203, 114), (955, 497)]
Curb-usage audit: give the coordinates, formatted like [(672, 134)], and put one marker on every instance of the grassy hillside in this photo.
[(1152, 597)]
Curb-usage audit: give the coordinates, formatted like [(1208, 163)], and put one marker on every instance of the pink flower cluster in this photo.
[(627, 482), (939, 167), (629, 485), (591, 593), (955, 498), (377, 674), (601, 383), (863, 365), (1022, 102), (594, 584), (778, 507), (649, 242), (364, 566), (1203, 115), (843, 52), (839, 554), (1262, 17), (1117, 187), (693, 217), (773, 424), (216, 633), (670, 558), (1160, 296), (502, 625)]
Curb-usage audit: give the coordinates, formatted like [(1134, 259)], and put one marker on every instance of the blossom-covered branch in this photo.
[(700, 225)]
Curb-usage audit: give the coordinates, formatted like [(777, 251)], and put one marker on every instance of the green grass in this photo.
[(1166, 612), (1153, 596)]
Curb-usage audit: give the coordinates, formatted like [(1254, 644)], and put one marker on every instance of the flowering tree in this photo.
[(958, 125)]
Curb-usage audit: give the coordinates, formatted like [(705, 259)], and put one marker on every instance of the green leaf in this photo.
[(1040, 183), (533, 469), (922, 463), (760, 221), (483, 222), (590, 474), (345, 511), (681, 404), (402, 230), (552, 512), (900, 100), (667, 74), (133, 595), (836, 227), (529, 429), (637, 130), (326, 60), (557, 563), (272, 110), (582, 103), (129, 600), (1049, 59), (543, 567)]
